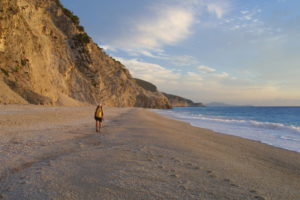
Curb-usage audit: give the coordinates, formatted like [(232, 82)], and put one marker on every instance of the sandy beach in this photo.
[(55, 153)]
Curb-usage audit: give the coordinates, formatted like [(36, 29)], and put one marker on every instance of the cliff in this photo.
[(47, 58), (177, 101), (146, 85)]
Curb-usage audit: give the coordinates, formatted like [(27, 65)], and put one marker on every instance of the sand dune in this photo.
[(55, 153)]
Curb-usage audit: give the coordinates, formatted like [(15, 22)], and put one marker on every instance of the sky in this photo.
[(242, 52)]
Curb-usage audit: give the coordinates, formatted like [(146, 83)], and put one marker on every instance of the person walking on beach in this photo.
[(99, 117)]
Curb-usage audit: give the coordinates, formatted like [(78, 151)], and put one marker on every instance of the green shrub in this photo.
[(58, 3), (80, 28), (81, 38), (68, 13)]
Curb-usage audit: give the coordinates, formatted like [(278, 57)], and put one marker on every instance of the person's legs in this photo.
[(97, 125)]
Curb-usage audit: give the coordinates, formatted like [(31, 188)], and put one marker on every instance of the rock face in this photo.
[(177, 101), (47, 58), (146, 85)]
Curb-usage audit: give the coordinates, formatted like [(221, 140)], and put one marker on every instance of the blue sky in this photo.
[(233, 51)]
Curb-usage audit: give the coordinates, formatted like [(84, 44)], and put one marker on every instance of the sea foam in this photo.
[(276, 134)]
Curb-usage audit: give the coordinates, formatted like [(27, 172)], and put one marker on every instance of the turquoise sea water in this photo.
[(277, 126)]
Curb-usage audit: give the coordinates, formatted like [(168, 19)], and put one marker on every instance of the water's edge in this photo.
[(274, 134)]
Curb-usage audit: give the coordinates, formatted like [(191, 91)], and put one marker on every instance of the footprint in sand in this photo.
[(22, 182), (259, 198), (162, 167), (89, 142), (210, 174), (175, 160), (234, 185), (210, 193), (174, 175), (191, 166), (253, 191), (226, 180), (182, 187), (229, 181)]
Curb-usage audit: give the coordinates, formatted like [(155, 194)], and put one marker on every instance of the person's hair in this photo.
[(99, 106)]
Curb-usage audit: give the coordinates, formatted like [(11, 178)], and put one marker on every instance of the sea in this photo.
[(276, 126)]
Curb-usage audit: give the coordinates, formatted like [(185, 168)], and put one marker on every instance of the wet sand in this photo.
[(55, 153)]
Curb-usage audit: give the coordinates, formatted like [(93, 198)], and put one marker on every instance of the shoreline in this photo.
[(223, 133), (54, 153), (281, 138)]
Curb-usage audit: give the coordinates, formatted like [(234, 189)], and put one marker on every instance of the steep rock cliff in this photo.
[(146, 85), (47, 58), (177, 101)]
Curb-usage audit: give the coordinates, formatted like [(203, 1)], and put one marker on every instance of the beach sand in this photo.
[(55, 153)]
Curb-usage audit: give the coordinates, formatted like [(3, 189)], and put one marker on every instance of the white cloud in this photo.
[(149, 71), (167, 24), (244, 12), (191, 79), (169, 27), (250, 23), (108, 48), (178, 60), (205, 69), (164, 78), (182, 61), (217, 9), (222, 75)]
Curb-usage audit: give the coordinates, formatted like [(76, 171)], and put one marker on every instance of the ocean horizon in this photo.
[(278, 126)]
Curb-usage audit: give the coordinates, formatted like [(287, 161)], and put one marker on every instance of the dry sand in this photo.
[(55, 153)]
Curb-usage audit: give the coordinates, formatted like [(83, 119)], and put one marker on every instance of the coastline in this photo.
[(54, 153), (282, 132)]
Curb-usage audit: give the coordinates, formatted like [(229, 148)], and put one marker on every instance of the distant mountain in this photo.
[(220, 104), (46, 57), (217, 104)]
